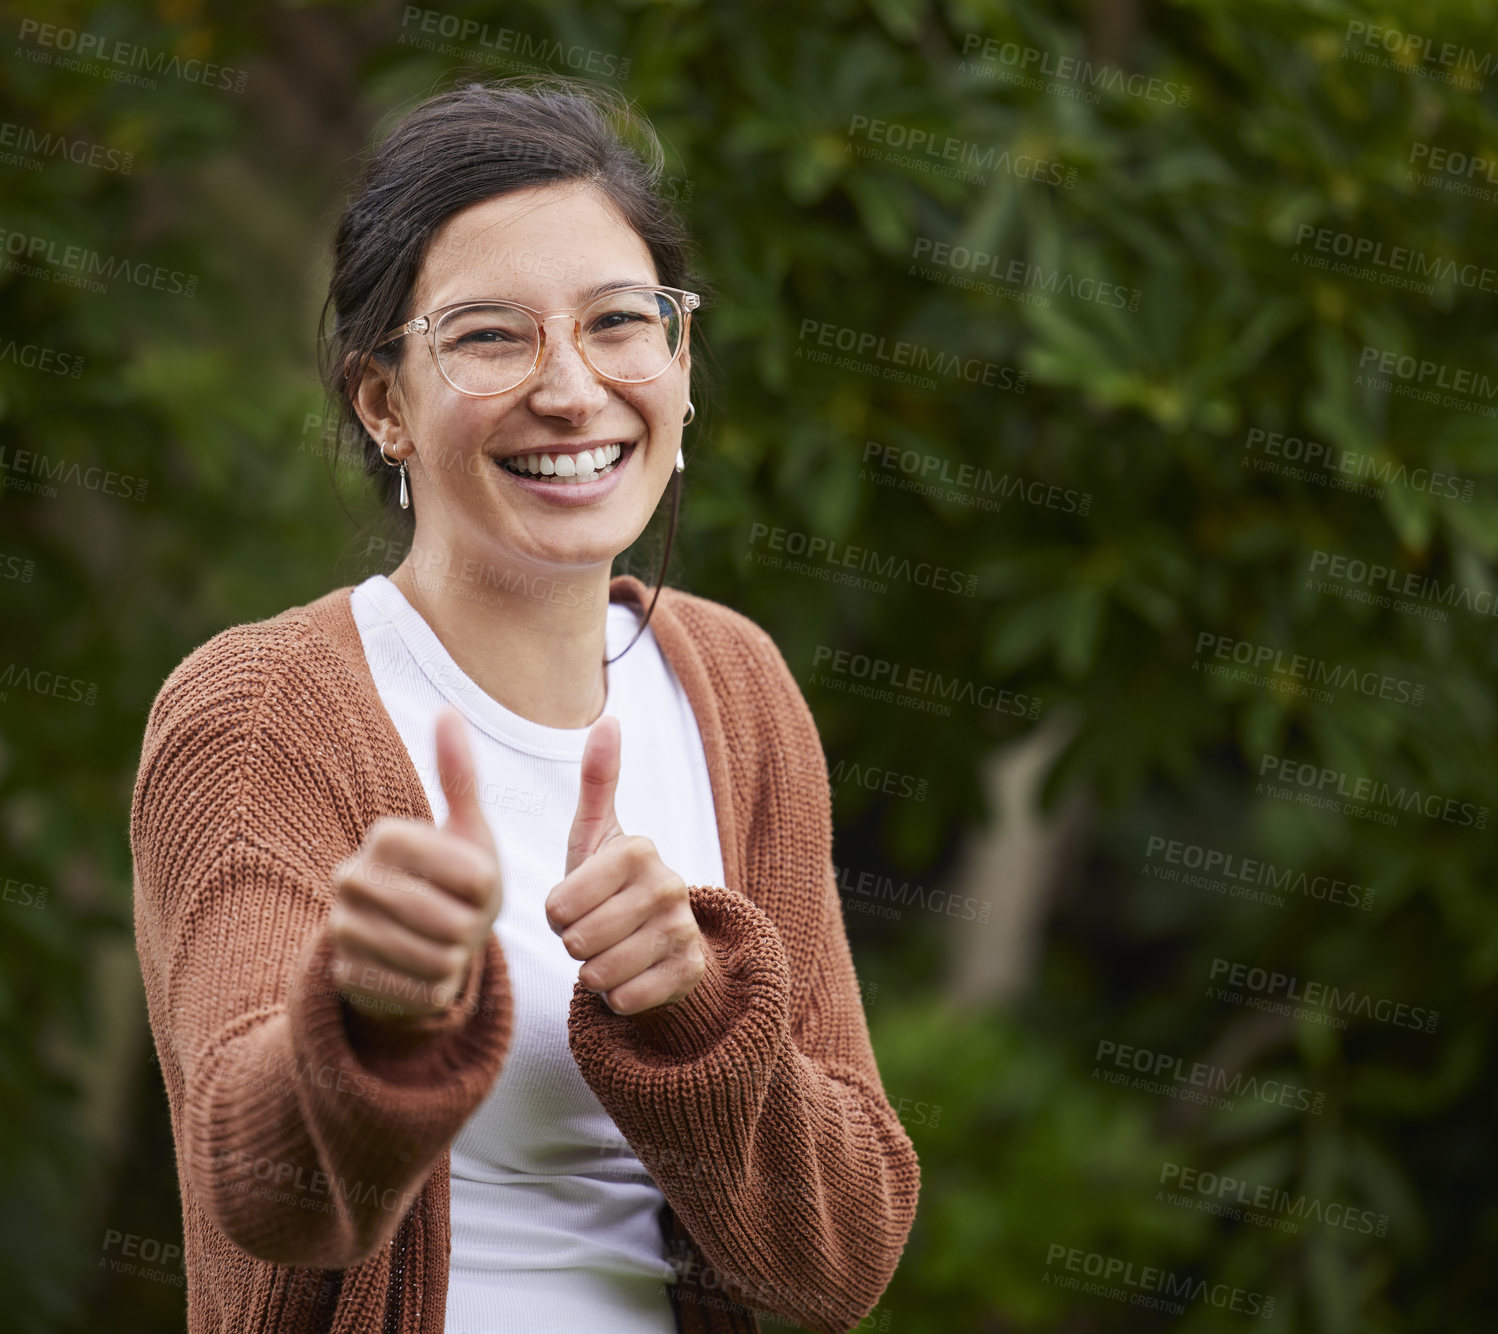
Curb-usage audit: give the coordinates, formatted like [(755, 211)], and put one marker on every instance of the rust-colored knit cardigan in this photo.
[(312, 1142)]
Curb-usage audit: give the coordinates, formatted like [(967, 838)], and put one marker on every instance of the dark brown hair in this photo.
[(456, 149)]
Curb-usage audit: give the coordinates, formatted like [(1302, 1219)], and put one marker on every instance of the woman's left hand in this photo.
[(619, 908)]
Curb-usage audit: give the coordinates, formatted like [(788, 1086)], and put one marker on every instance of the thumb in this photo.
[(595, 822), (455, 768)]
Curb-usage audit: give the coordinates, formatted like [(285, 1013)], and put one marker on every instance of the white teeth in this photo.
[(581, 466)]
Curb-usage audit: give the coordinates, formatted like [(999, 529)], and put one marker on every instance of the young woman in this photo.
[(497, 973)]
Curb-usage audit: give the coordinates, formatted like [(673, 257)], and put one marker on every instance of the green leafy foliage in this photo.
[(1215, 219)]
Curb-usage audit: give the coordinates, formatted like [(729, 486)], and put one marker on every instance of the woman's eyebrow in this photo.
[(613, 286)]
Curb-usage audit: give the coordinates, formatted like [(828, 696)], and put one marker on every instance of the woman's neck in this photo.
[(532, 641)]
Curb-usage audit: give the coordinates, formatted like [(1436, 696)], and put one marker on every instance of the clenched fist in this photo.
[(415, 902), (619, 907)]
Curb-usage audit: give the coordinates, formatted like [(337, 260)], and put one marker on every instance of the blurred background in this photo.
[(1175, 918)]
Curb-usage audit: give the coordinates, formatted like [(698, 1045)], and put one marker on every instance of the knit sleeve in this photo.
[(756, 1102), (304, 1129)]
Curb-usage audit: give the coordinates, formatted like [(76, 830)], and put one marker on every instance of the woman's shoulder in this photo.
[(716, 622), (750, 673), (289, 661)]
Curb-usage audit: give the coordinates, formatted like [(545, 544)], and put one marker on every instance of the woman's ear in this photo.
[(376, 400)]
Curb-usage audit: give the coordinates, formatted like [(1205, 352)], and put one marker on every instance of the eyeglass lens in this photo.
[(626, 336)]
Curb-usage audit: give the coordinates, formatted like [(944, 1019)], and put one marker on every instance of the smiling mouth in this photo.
[(582, 466)]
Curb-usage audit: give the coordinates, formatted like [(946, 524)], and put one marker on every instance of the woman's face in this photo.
[(544, 247)]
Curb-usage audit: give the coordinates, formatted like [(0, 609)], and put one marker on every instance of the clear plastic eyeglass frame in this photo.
[(427, 326)]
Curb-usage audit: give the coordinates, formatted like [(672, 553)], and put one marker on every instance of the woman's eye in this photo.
[(617, 319), (497, 338)]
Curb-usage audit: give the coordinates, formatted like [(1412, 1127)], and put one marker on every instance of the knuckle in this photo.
[(663, 896), (375, 879), (383, 835), (480, 873), (349, 880), (455, 960)]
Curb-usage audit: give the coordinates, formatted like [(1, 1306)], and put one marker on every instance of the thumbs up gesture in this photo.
[(619, 908), (415, 903)]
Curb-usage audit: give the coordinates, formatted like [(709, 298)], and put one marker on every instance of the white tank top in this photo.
[(555, 1223)]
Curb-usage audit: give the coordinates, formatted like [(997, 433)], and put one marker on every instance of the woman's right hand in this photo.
[(415, 902)]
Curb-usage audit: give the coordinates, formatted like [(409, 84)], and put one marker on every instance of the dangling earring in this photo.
[(405, 494), (681, 463)]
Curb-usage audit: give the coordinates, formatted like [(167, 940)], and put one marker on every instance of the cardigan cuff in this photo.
[(474, 1028), (697, 1021), (743, 991)]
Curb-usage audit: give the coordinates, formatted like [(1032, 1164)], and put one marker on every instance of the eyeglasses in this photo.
[(629, 335)]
